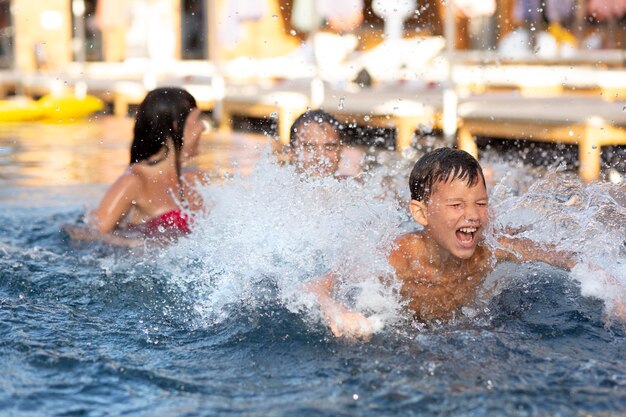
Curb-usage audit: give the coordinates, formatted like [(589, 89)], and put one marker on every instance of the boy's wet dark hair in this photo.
[(313, 116), (443, 165), (161, 115)]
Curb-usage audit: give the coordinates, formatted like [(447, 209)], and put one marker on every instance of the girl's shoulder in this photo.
[(130, 178)]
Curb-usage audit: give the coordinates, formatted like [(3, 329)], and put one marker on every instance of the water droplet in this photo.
[(341, 103), (355, 397), (366, 118), (292, 32)]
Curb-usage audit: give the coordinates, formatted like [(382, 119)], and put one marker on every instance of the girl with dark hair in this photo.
[(154, 194)]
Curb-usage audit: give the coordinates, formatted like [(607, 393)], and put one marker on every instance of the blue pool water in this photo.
[(214, 325)]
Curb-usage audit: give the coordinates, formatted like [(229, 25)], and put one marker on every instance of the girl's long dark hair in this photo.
[(161, 115)]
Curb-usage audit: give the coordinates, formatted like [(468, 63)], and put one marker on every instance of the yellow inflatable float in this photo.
[(53, 109)]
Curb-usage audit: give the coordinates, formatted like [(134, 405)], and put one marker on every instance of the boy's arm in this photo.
[(342, 321), (521, 250), (598, 282), (525, 250)]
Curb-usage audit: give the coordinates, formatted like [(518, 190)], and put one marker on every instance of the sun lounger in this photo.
[(284, 103), (541, 80), (588, 122), (391, 61), (9, 80), (396, 106)]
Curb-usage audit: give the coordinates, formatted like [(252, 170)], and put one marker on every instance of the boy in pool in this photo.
[(442, 266)]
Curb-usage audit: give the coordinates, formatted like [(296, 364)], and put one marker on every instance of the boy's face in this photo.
[(317, 149), (456, 216)]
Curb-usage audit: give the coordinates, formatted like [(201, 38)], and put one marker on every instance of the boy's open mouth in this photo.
[(465, 236)]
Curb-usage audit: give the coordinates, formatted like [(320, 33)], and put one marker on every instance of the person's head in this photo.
[(315, 142), (449, 198), (162, 116)]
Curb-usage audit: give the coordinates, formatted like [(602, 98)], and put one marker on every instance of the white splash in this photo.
[(271, 231), (584, 219)]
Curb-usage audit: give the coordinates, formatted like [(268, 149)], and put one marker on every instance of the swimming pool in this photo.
[(215, 325)]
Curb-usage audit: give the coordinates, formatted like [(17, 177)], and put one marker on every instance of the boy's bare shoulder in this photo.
[(405, 249), (409, 238), (408, 241)]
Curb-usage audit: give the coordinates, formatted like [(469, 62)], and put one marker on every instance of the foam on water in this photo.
[(583, 219), (269, 232)]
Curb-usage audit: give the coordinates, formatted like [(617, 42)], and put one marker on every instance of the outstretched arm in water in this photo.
[(523, 250), (342, 321), (88, 234)]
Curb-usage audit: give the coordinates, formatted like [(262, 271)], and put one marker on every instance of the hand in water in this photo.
[(342, 321), (88, 234), (349, 324), (618, 310), (610, 284)]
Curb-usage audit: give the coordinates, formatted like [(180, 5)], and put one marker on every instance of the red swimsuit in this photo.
[(170, 223)]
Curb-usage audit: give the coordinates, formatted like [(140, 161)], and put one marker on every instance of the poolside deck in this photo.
[(587, 121), (581, 105)]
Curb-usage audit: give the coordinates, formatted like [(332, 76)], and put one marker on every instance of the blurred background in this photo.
[(402, 74)]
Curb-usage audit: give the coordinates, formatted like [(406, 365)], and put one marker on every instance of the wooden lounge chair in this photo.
[(284, 103), (394, 106), (538, 81), (588, 122)]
